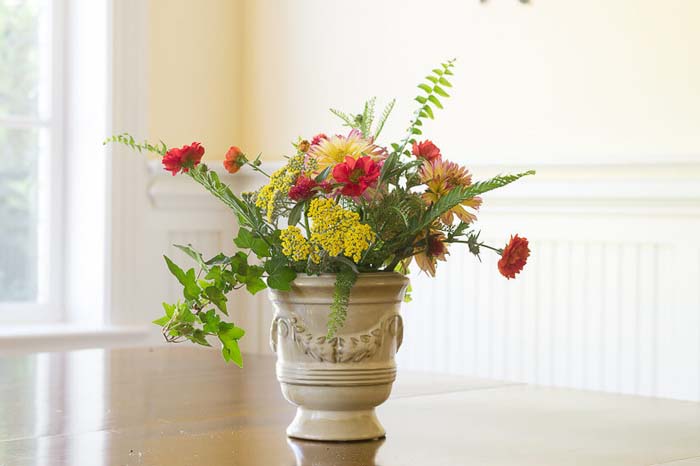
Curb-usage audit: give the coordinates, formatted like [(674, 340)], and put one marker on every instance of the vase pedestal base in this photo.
[(335, 426)]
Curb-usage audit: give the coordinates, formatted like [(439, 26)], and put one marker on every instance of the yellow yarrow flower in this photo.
[(294, 245), (334, 230), (338, 231), (278, 186)]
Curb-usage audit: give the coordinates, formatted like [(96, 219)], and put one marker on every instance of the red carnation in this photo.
[(302, 189), (234, 159), (183, 158), (318, 138), (514, 257), (356, 175), (426, 150)]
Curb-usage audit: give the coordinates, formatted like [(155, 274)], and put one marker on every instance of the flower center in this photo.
[(355, 175)]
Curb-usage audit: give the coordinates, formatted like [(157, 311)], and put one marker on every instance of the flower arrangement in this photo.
[(342, 204)]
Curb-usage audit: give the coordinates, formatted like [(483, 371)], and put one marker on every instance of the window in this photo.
[(30, 139)]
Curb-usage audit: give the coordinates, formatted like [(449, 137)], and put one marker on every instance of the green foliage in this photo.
[(344, 281), (363, 121), (204, 291), (145, 146)]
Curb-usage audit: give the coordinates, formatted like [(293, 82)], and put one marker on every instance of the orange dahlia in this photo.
[(431, 249), (440, 177)]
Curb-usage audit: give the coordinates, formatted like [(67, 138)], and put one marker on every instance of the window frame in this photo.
[(48, 306)]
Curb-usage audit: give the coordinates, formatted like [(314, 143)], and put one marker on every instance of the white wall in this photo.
[(554, 81)]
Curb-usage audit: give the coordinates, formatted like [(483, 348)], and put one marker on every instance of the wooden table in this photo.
[(183, 406)]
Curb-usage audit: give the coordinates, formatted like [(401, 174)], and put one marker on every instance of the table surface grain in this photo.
[(183, 406)]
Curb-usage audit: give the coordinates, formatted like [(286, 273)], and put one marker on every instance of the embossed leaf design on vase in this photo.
[(337, 382)]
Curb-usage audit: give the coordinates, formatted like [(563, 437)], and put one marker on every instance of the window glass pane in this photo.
[(19, 213), (24, 43)]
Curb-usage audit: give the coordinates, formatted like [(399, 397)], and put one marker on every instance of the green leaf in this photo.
[(218, 259), (444, 82), (429, 111), (432, 79), (244, 240), (187, 280), (162, 321), (231, 332), (211, 321), (193, 254), (323, 175), (239, 263), (253, 285), (416, 131), (420, 99), (260, 247), (232, 353), (199, 337), (435, 101), (437, 71), (229, 340), (281, 278), (217, 297), (295, 214), (169, 309), (426, 88), (440, 91)]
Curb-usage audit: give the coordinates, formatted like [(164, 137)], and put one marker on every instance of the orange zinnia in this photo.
[(514, 257)]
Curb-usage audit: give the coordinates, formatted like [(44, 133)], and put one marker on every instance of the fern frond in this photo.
[(344, 281), (128, 140), (457, 196), (432, 88), (385, 115), (367, 117), (349, 121)]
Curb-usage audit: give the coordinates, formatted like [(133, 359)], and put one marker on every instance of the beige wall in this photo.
[(555, 81), (195, 73)]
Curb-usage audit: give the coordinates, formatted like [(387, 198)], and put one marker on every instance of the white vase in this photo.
[(336, 383)]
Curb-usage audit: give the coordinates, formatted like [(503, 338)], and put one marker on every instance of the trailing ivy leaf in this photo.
[(295, 214), (281, 278), (162, 321), (199, 337), (260, 247), (229, 337), (232, 352), (169, 309), (244, 240), (230, 332), (193, 254), (239, 263), (187, 280), (217, 297), (211, 321), (219, 259), (253, 285)]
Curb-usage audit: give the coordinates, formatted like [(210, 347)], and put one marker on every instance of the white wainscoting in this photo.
[(610, 299)]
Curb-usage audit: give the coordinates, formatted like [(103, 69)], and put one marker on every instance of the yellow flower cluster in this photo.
[(279, 184), (338, 231), (294, 245), (333, 230)]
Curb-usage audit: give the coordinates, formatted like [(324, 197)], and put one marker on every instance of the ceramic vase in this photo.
[(336, 383)]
